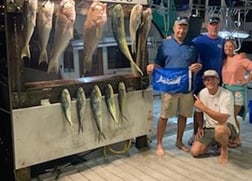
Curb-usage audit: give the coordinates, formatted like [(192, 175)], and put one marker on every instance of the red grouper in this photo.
[(65, 19), (93, 29)]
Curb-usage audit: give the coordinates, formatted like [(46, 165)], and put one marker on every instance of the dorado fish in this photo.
[(110, 101), (29, 13), (96, 106), (119, 34), (135, 21), (66, 105), (144, 29), (81, 107), (64, 27), (45, 18), (122, 98), (93, 29)]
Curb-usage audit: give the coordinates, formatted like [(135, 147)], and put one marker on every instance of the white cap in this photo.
[(210, 73)]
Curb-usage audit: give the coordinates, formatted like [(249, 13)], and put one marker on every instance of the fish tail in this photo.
[(80, 127), (43, 57), (133, 47), (87, 65), (135, 67), (26, 52), (53, 66), (70, 122), (101, 134)]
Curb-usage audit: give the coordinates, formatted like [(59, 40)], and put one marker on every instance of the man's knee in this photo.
[(194, 151)]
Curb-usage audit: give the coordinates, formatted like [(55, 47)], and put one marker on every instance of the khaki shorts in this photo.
[(208, 138), (238, 98), (174, 104)]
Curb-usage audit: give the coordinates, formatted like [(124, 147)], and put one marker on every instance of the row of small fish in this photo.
[(96, 103), (41, 14)]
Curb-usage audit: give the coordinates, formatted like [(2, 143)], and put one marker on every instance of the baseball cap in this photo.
[(213, 19), (210, 73), (181, 20)]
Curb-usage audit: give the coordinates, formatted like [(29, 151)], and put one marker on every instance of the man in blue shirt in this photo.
[(175, 53), (210, 47)]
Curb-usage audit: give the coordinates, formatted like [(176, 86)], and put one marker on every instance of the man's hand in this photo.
[(150, 68), (195, 67), (198, 104), (199, 134)]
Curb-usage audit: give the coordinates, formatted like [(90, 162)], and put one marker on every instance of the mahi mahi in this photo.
[(30, 14), (96, 106), (64, 27), (93, 29), (81, 107), (66, 105), (135, 21), (120, 37), (122, 98), (45, 18), (110, 101), (142, 49)]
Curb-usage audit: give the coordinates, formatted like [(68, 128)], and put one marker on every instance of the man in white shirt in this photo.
[(214, 115)]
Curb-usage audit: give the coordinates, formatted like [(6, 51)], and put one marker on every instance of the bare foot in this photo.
[(182, 147), (223, 159), (223, 156), (160, 150)]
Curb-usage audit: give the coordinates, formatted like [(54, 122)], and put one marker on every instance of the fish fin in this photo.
[(53, 66), (43, 57), (26, 52)]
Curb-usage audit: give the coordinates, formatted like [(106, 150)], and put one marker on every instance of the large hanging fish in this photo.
[(119, 34), (45, 18), (93, 29), (81, 107), (29, 13), (110, 101), (96, 106), (66, 105), (64, 27), (135, 21), (142, 49)]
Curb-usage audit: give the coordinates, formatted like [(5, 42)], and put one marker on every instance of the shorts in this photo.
[(208, 138), (176, 104), (238, 98)]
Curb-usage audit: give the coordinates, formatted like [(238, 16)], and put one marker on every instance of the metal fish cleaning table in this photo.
[(41, 133)]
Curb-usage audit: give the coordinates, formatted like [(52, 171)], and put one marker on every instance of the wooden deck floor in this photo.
[(176, 165)]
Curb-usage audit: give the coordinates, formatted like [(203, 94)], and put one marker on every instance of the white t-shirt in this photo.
[(222, 101)]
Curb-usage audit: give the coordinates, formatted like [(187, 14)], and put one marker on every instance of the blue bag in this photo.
[(172, 80)]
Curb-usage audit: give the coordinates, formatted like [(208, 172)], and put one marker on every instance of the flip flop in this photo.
[(183, 148), (234, 145)]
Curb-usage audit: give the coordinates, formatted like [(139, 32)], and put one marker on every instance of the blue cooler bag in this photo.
[(172, 80)]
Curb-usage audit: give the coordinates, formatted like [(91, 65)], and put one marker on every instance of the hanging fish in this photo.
[(144, 29), (110, 102), (93, 29), (96, 106), (122, 99), (30, 14), (135, 21), (44, 23), (64, 28), (81, 107), (120, 37), (66, 105)]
